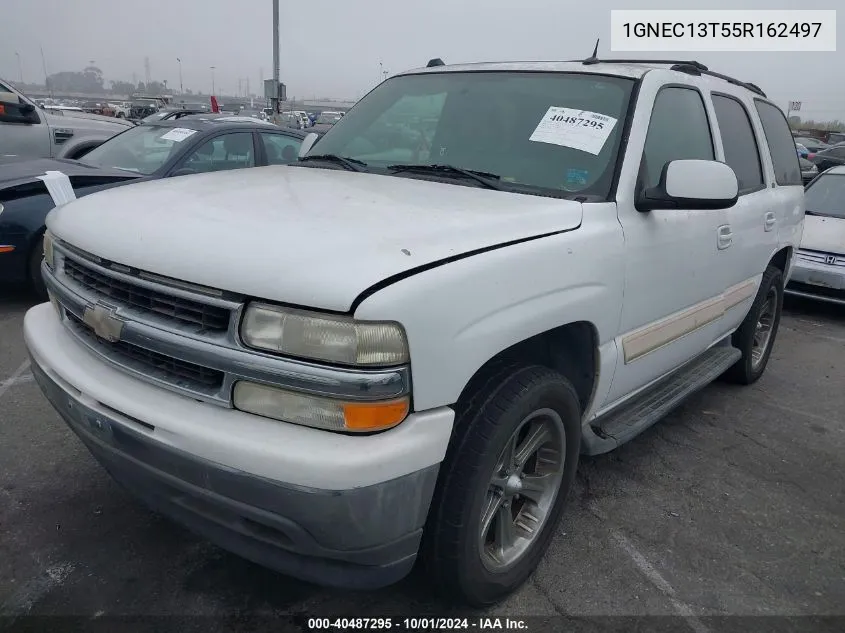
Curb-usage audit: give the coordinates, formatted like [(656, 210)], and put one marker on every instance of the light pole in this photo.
[(380, 71), (212, 79), (20, 65), (181, 89)]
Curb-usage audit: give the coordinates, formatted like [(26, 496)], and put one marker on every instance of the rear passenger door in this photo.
[(786, 194), (752, 225)]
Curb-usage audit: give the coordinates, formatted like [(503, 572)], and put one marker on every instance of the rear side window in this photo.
[(678, 130), (739, 142), (781, 145)]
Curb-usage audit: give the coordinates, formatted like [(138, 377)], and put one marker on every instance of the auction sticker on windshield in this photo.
[(178, 134), (579, 129)]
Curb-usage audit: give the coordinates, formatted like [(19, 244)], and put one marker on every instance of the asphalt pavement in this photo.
[(731, 506)]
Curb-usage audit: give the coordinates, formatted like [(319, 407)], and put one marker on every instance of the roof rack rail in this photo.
[(669, 62), (695, 70), (689, 66)]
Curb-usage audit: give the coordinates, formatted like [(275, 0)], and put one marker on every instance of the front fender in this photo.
[(460, 315)]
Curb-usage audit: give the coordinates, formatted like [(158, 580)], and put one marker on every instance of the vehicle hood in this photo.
[(300, 235), (824, 234), (14, 171), (86, 121)]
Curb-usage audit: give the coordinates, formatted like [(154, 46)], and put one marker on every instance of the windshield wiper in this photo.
[(491, 181), (351, 164)]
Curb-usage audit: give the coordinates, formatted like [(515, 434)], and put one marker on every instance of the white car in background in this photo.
[(30, 131), (819, 271)]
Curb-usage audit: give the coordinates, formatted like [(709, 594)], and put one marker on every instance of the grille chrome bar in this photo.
[(111, 289), (200, 364), (821, 257)]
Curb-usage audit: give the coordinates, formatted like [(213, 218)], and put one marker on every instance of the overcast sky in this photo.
[(334, 47)]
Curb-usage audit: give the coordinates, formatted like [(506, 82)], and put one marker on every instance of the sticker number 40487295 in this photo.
[(580, 129)]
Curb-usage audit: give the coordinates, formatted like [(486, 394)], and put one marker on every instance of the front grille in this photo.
[(821, 257), (209, 318), (173, 370)]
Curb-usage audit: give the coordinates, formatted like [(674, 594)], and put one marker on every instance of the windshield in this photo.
[(142, 149), (549, 132), (826, 196)]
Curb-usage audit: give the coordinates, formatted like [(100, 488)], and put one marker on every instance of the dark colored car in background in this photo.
[(164, 149), (830, 157), (812, 144)]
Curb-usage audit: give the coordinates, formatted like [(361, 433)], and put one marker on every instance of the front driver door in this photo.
[(672, 300)]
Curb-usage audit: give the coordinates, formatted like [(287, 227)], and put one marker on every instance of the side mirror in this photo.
[(308, 143), (692, 184)]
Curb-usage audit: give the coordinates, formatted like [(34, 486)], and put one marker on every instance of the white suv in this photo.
[(398, 347)]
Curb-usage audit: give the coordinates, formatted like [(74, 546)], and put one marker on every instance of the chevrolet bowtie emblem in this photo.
[(103, 321)]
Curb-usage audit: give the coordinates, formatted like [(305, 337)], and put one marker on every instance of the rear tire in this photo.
[(36, 281), (503, 485), (755, 337)]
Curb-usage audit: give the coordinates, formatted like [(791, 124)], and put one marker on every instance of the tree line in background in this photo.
[(90, 81), (796, 123)]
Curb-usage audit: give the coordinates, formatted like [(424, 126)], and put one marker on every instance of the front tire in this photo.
[(756, 335), (503, 484)]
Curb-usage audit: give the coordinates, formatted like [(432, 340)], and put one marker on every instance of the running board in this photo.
[(631, 418)]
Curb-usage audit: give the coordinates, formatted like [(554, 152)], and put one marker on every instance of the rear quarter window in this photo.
[(781, 144)]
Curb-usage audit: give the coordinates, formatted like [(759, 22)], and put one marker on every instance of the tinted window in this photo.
[(839, 152), (739, 142), (678, 130), (280, 149), (781, 145), (228, 151)]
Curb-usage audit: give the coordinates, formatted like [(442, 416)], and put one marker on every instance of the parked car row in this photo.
[(163, 148)]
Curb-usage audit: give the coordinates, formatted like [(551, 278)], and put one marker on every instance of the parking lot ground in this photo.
[(732, 506)]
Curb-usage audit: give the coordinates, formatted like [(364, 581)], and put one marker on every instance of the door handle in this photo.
[(726, 237), (770, 221)]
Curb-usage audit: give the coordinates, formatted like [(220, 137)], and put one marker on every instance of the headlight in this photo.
[(323, 337), (318, 412), (48, 248)]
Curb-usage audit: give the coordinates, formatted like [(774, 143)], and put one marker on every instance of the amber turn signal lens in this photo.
[(374, 416)]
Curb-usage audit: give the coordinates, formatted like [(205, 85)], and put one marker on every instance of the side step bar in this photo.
[(616, 427)]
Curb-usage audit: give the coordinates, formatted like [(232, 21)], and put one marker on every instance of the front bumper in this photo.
[(822, 282), (362, 535)]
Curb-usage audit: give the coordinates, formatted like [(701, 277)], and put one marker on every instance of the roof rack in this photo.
[(696, 70), (668, 62), (691, 67)]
